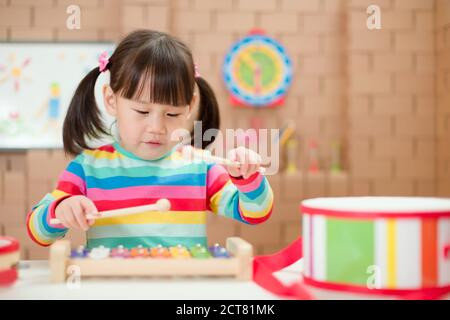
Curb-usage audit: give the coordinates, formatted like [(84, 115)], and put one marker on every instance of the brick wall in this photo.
[(391, 107), (382, 93), (443, 96)]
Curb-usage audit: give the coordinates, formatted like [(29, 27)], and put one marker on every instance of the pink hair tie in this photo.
[(197, 73), (103, 61)]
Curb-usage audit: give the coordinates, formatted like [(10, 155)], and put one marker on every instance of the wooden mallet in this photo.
[(160, 205), (189, 154)]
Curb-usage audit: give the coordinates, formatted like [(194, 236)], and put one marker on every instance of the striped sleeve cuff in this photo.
[(52, 215), (247, 185), (253, 187)]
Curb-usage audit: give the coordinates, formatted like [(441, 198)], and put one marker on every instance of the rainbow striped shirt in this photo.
[(114, 178)]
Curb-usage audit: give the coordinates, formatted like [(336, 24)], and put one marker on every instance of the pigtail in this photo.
[(83, 118), (208, 112)]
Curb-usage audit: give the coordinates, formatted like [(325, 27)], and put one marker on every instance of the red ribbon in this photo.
[(265, 266)]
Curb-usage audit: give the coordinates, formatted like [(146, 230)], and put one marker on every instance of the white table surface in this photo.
[(34, 283)]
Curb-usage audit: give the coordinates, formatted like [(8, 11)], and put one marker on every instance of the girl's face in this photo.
[(146, 129)]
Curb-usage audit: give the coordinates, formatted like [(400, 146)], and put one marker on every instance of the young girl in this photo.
[(151, 94)]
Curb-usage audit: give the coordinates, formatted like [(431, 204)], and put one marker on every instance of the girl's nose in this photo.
[(155, 124)]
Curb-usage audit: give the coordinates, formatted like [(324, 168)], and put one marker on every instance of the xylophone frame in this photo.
[(239, 265)]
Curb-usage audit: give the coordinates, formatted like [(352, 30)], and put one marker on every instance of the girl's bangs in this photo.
[(159, 75)]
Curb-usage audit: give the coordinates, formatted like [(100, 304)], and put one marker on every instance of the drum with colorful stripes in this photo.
[(390, 244)]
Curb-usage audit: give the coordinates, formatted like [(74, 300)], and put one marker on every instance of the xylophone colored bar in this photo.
[(235, 260)]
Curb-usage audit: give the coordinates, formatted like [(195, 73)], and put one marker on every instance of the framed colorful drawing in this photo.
[(37, 81)]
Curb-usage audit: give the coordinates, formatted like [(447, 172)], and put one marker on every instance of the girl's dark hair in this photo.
[(145, 62), (208, 113)]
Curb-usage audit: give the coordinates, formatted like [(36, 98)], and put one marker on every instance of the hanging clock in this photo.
[(257, 71)]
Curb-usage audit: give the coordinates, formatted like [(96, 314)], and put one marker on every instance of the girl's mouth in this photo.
[(153, 143)]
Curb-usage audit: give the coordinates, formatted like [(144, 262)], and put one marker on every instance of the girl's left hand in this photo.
[(249, 161)]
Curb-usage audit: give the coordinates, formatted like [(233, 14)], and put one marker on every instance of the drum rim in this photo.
[(310, 206), (12, 247)]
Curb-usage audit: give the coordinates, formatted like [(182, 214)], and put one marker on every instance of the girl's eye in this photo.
[(141, 112), (174, 115)]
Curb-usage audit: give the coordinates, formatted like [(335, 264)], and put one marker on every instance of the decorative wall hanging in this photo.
[(257, 71)]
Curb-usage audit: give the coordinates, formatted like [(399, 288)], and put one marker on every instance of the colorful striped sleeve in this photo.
[(71, 182), (247, 200)]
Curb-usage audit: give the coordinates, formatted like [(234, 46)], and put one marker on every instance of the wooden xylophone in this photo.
[(233, 261)]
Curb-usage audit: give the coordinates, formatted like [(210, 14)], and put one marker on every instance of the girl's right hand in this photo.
[(73, 210)]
